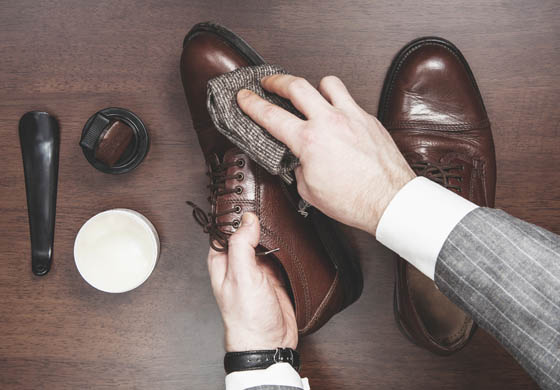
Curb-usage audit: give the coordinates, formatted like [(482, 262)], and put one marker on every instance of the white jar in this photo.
[(116, 250)]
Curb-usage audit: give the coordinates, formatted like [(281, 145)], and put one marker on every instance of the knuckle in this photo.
[(245, 98), (297, 85), (336, 117), (271, 78), (269, 112), (236, 240), (308, 137), (329, 81)]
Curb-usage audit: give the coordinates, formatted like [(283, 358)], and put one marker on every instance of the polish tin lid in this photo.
[(115, 140)]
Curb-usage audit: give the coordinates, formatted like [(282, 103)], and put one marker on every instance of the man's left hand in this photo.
[(252, 298)]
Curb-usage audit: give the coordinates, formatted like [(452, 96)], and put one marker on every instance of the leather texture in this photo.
[(433, 109), (312, 277), (260, 360)]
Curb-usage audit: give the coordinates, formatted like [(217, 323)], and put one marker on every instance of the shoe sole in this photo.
[(382, 109)]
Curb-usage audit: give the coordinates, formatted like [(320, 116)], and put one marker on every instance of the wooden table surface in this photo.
[(72, 58)]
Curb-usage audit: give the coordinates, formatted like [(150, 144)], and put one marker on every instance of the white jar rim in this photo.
[(116, 250)]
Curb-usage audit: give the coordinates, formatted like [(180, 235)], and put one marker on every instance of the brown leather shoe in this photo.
[(322, 277), (432, 107)]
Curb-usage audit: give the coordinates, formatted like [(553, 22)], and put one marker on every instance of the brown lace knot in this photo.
[(439, 173)]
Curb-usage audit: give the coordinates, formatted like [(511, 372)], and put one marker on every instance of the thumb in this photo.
[(241, 247)]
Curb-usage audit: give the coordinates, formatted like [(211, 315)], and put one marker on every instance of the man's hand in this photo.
[(255, 306), (350, 166)]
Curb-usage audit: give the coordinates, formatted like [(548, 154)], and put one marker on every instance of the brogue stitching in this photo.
[(436, 126)]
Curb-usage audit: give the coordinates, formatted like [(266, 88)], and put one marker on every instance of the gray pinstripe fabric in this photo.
[(506, 273), (273, 387), (228, 118)]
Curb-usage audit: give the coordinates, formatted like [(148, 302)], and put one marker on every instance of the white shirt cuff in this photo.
[(280, 374), (419, 219)]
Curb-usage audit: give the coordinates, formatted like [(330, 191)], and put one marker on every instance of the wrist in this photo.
[(251, 341), (394, 185), (260, 359)]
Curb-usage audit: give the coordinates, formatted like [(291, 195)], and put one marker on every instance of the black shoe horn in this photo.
[(39, 137)]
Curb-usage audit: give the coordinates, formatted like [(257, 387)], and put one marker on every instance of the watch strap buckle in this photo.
[(286, 355)]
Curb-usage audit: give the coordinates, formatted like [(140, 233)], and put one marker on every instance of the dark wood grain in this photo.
[(72, 58)]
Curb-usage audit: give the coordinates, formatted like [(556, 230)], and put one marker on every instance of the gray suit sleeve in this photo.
[(273, 387), (506, 273)]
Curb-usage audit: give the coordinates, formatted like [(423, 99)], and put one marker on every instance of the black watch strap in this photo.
[(259, 360)]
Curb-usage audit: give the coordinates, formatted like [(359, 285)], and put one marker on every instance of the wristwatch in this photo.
[(259, 360)]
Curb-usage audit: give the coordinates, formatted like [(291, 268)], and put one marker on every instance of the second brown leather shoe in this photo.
[(322, 276), (432, 107)]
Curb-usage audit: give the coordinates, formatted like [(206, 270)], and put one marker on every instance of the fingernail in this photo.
[(243, 93), (247, 219), (264, 79)]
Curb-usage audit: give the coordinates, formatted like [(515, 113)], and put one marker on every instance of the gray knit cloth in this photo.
[(253, 139)]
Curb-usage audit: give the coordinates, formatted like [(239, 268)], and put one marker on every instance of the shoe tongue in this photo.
[(213, 161), (232, 154)]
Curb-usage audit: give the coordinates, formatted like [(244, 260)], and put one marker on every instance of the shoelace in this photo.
[(209, 220), (439, 173)]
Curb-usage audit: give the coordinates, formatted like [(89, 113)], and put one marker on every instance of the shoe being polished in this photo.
[(322, 277), (433, 109)]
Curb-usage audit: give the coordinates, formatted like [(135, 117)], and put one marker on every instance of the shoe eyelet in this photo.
[(239, 176), (240, 163), (235, 223), (238, 190), (237, 209)]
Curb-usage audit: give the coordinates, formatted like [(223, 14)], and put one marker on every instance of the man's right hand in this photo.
[(350, 167)]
